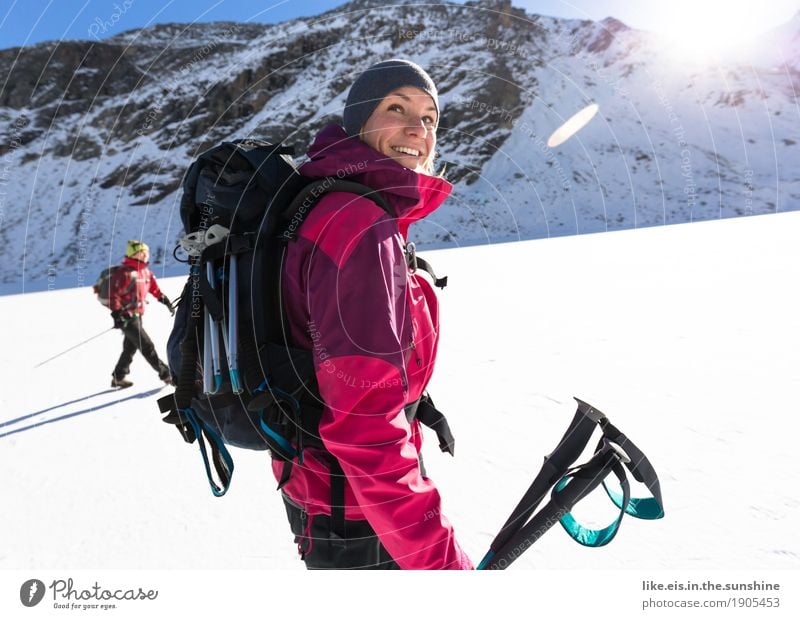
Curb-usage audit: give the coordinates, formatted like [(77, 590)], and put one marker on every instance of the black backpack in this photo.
[(239, 381), (102, 287)]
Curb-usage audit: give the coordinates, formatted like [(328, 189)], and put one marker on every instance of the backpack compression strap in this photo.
[(428, 415), (570, 485), (192, 428)]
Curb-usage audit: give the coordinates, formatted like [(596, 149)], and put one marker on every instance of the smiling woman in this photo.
[(354, 295), (403, 127), (394, 107)]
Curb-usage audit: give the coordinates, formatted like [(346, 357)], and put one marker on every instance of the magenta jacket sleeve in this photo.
[(361, 326)]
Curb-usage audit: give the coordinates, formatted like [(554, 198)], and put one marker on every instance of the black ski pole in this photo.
[(555, 465), (567, 485), (73, 348)]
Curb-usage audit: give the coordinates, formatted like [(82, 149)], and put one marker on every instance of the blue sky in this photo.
[(31, 21)]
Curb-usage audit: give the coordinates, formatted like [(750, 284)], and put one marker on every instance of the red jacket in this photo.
[(129, 287), (374, 329)]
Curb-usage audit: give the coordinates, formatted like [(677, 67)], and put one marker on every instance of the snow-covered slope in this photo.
[(686, 336), (778, 48), (96, 136)]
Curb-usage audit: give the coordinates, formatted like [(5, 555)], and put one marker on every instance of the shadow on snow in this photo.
[(135, 396)]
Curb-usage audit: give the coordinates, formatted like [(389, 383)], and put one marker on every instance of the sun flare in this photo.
[(704, 30)]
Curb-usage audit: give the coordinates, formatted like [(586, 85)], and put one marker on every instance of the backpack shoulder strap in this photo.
[(340, 184), (295, 214)]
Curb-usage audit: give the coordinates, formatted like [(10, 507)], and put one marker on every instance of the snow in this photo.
[(687, 337)]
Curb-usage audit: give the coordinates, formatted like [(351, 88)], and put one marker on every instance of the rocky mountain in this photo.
[(95, 136)]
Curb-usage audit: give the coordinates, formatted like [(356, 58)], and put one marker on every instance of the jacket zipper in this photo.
[(416, 355)]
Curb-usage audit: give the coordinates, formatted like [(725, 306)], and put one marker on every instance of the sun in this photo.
[(706, 30)]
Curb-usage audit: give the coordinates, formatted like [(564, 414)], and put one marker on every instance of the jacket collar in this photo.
[(134, 264), (411, 195)]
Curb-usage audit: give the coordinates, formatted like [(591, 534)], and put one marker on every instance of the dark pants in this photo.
[(322, 549), (136, 338)]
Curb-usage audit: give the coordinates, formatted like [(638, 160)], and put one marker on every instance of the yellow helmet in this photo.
[(134, 247)]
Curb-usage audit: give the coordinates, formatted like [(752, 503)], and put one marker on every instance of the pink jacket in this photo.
[(373, 327)]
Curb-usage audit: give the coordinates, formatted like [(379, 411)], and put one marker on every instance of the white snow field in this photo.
[(686, 336)]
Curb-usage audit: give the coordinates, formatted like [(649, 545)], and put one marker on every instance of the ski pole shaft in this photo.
[(73, 347), (233, 324), (216, 355)]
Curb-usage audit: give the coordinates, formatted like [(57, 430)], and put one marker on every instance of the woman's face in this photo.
[(403, 127)]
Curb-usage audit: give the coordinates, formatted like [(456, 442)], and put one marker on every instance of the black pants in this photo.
[(136, 338), (322, 549)]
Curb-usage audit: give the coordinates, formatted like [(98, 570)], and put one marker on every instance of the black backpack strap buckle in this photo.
[(428, 415), (168, 405), (415, 263)]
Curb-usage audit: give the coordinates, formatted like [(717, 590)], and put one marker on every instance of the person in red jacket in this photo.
[(372, 324), (128, 290)]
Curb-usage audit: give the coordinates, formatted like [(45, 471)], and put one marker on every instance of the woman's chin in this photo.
[(409, 161)]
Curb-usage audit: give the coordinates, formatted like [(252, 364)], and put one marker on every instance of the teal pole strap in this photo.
[(280, 443), (647, 508), (571, 485), (223, 463), (594, 538), (289, 451)]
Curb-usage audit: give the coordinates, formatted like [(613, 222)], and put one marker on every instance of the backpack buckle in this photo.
[(195, 243), (619, 451), (411, 256)]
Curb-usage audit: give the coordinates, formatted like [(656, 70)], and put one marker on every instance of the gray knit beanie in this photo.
[(378, 81)]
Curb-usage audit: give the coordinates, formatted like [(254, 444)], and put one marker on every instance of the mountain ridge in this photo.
[(99, 133)]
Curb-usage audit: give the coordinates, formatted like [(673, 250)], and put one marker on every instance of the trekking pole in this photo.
[(208, 368), (212, 328), (232, 342), (568, 484), (73, 347)]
